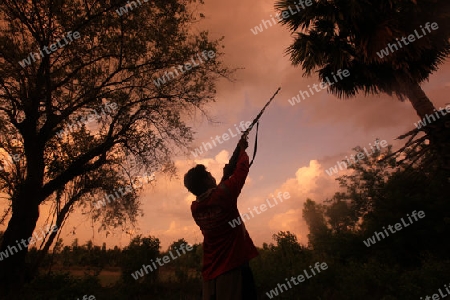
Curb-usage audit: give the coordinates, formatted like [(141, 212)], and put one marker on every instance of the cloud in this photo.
[(170, 219), (309, 181), (290, 221), (176, 231)]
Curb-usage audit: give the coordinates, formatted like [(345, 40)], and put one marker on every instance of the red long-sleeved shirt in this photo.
[(224, 247)]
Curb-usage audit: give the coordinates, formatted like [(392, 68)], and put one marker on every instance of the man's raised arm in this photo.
[(235, 173)]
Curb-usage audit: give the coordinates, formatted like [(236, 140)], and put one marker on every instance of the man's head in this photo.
[(197, 180)]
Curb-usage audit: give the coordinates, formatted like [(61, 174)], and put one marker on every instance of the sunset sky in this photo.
[(296, 143)]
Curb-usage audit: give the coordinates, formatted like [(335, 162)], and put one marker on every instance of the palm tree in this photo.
[(349, 34)]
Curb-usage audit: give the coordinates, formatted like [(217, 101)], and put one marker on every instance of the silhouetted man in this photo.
[(226, 249)]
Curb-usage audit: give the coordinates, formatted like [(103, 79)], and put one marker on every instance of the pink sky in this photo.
[(296, 143)]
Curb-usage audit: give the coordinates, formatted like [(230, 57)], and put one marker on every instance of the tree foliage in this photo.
[(51, 111), (379, 192), (339, 34)]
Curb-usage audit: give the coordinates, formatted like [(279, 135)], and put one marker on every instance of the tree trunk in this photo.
[(25, 213), (20, 228), (438, 134), (437, 126), (61, 216), (419, 100)]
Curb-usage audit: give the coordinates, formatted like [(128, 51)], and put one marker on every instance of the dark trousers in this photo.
[(236, 284)]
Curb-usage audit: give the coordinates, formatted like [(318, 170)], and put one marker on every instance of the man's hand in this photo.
[(228, 169)]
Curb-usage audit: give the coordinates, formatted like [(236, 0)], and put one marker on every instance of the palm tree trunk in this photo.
[(438, 132), (419, 100)]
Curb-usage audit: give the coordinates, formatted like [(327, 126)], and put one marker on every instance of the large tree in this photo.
[(347, 34), (62, 60)]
